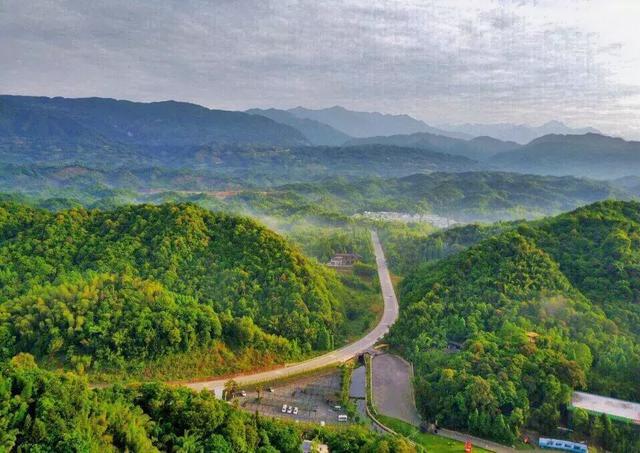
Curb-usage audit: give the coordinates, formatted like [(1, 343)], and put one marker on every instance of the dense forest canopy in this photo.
[(100, 288), (407, 252), (538, 310)]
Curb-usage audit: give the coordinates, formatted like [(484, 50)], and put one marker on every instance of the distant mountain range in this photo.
[(370, 124), (47, 122), (592, 155), (479, 148), (107, 134), (316, 132), (519, 133), (588, 155)]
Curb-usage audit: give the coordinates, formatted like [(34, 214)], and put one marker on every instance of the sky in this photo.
[(445, 61)]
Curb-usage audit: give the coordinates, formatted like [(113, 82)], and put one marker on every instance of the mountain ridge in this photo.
[(592, 155), (519, 133), (316, 132), (163, 123), (479, 148), (367, 124)]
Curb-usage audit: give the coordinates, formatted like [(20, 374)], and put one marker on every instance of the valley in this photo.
[(321, 227), (174, 252)]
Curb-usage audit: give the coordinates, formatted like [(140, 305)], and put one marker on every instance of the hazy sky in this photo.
[(442, 61)]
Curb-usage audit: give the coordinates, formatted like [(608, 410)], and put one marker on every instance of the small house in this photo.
[(344, 260), (453, 347)]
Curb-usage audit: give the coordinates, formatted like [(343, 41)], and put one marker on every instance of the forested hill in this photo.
[(115, 288), (540, 309)]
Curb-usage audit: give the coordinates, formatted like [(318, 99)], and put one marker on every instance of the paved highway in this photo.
[(341, 355)]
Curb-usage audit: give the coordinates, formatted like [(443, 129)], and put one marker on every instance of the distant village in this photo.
[(433, 219)]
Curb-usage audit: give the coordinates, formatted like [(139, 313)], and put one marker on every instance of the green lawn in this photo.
[(433, 443)]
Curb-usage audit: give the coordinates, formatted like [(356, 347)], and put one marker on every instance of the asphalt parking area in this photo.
[(392, 388), (314, 396)]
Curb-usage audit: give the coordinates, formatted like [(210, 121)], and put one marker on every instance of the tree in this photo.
[(580, 421), (608, 432), (230, 389)]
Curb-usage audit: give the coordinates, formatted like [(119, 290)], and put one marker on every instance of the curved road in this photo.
[(341, 355)]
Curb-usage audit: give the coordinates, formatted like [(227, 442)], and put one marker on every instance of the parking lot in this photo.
[(314, 396)]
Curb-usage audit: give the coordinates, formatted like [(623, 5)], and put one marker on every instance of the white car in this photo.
[(295, 411), (243, 393), (284, 408), (289, 409)]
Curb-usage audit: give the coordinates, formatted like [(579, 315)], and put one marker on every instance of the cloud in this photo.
[(443, 61)]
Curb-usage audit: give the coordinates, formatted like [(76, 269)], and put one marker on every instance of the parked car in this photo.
[(284, 408), (295, 411), (289, 409), (342, 418), (243, 393), (270, 389)]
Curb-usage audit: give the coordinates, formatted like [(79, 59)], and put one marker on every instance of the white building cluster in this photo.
[(433, 219)]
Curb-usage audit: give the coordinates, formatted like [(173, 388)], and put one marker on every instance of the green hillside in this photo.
[(539, 310), (116, 289)]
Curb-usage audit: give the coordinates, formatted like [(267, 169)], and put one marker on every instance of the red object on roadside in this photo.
[(468, 447)]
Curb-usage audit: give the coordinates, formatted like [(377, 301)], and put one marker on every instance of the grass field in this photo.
[(433, 443)]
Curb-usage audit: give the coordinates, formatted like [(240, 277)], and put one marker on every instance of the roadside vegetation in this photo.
[(430, 442), (46, 411)]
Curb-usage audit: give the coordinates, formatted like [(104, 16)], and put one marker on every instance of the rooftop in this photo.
[(604, 405)]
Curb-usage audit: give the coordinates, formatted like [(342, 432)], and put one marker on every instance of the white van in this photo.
[(342, 418), (284, 408)]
